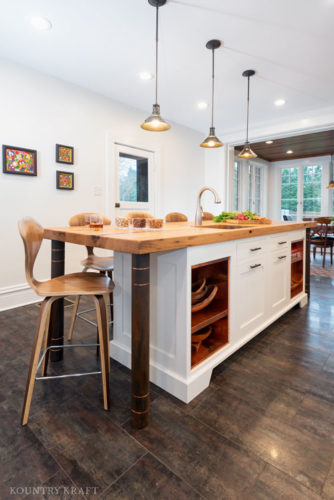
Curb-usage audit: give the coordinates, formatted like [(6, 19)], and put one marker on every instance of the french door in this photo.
[(255, 188), (134, 180), (303, 191)]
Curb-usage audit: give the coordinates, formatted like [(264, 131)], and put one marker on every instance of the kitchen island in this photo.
[(260, 273)]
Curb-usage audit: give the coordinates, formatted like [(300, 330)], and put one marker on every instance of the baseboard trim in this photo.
[(17, 296)]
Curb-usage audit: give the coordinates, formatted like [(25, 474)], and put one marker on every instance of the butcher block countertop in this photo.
[(173, 236)]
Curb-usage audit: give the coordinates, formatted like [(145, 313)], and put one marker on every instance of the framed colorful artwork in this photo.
[(64, 154), (19, 161), (65, 180)]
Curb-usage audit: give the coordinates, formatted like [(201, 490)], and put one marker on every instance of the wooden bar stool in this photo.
[(207, 216), (70, 284), (105, 265), (144, 215), (176, 217)]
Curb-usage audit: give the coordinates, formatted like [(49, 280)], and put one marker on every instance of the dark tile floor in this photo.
[(264, 429)]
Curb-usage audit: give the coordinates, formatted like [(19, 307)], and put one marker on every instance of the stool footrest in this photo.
[(68, 375), (67, 346)]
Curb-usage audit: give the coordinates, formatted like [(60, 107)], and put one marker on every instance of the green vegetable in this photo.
[(232, 215), (223, 216)]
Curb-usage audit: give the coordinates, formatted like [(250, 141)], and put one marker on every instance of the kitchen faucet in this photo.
[(199, 208)]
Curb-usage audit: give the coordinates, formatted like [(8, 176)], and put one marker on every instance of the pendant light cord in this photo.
[(247, 108), (213, 85), (156, 53)]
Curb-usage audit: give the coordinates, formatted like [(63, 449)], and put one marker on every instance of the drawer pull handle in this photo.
[(282, 242), (254, 266), (255, 249), (282, 257)]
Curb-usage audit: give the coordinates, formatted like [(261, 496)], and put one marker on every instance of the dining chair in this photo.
[(207, 216), (90, 284), (320, 238), (102, 264), (176, 217)]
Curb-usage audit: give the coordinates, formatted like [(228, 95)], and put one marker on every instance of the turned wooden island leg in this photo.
[(140, 350), (57, 309)]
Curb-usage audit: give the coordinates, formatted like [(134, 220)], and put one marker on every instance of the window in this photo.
[(303, 188), (133, 178), (289, 192), (236, 185), (255, 176), (312, 191)]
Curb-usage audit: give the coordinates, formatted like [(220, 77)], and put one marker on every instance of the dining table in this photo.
[(140, 244)]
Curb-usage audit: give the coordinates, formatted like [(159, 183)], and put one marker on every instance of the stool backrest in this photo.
[(176, 217), (207, 216), (144, 215), (79, 219), (32, 235)]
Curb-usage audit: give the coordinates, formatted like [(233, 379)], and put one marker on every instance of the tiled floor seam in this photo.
[(251, 453), (123, 474)]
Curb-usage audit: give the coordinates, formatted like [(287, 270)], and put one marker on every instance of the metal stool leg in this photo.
[(40, 329)]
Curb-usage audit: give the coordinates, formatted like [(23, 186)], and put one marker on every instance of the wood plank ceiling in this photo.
[(303, 146)]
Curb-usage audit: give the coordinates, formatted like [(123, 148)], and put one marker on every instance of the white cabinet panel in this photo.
[(278, 280), (250, 307)]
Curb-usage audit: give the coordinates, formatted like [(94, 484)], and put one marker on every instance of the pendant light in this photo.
[(331, 183), (247, 153), (155, 123), (212, 140)]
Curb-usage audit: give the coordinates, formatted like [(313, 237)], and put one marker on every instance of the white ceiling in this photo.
[(103, 45)]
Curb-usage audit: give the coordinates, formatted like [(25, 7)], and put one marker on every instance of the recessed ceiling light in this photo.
[(146, 75), (40, 23), (202, 105), (269, 142), (280, 102), (289, 152)]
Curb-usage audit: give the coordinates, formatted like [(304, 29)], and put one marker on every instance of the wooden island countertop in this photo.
[(173, 236)]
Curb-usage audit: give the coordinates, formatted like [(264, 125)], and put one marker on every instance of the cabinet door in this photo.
[(278, 281), (250, 306)]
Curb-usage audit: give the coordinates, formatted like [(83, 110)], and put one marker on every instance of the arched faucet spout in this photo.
[(199, 208)]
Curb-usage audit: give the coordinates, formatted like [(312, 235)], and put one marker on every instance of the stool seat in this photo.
[(75, 284), (98, 263)]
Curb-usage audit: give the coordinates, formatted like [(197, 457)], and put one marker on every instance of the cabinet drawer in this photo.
[(250, 249), (280, 255), (253, 265), (279, 242)]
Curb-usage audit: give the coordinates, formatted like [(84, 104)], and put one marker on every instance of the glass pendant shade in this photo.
[(212, 140), (331, 184), (247, 153), (155, 122)]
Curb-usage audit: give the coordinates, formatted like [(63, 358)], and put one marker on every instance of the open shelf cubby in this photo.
[(215, 314), (297, 268)]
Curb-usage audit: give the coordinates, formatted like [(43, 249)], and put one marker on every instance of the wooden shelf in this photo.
[(215, 311), (206, 349), (297, 280)]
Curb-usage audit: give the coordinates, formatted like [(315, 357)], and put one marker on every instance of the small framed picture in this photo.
[(65, 180), (19, 161), (64, 154)]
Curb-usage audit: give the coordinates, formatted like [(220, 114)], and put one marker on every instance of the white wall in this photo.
[(38, 111)]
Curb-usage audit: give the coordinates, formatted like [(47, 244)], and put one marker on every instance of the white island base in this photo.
[(261, 278)]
